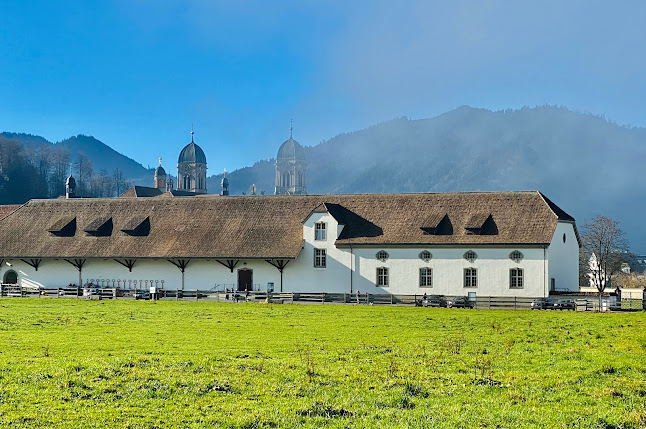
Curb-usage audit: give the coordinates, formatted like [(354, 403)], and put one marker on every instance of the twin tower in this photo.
[(191, 170)]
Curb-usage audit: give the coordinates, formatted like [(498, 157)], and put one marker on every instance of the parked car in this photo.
[(142, 295), (460, 302), (542, 304), (565, 304), (434, 301)]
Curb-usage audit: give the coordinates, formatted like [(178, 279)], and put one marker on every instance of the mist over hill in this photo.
[(584, 163)]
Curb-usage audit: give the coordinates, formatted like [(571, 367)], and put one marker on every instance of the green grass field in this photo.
[(68, 363)]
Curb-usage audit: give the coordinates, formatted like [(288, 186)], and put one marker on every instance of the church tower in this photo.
[(70, 186), (160, 177), (290, 168), (191, 168), (224, 185)]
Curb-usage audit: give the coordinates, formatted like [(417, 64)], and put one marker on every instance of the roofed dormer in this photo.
[(481, 224), (437, 224), (100, 227), (64, 227)]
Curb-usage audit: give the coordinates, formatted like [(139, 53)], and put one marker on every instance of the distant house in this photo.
[(480, 243)]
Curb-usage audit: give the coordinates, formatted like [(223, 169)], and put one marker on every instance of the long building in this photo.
[(481, 243)]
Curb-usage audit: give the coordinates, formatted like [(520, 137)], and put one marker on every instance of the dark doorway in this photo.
[(245, 279), (10, 278)]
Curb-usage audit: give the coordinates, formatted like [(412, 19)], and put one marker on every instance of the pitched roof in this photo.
[(7, 209), (267, 227), (141, 192)]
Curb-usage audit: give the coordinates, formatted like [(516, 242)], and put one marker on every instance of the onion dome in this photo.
[(70, 182), (192, 153), (159, 171), (291, 149)]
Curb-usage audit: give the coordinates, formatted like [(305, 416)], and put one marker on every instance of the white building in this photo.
[(485, 244)]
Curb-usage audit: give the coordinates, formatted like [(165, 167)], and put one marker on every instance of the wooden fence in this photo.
[(481, 302)]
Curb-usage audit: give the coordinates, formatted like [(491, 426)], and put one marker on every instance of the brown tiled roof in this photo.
[(267, 226), (7, 209), (141, 192)]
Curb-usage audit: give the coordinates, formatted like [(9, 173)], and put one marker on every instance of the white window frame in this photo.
[(320, 258), (383, 279), (425, 255), (516, 278), (470, 277), (426, 277), (320, 231)]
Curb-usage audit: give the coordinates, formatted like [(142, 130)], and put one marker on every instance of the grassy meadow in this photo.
[(68, 363)]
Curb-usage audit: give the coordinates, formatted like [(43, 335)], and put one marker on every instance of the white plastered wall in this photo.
[(448, 264), (199, 274), (300, 274), (563, 258)]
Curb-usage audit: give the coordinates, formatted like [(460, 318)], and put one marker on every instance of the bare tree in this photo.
[(61, 168), (120, 181), (605, 244), (84, 167)]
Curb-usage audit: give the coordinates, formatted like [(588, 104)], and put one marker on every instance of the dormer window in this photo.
[(382, 255), (481, 224), (470, 256), (64, 227), (100, 227), (516, 256), (437, 224), (425, 256), (320, 231)]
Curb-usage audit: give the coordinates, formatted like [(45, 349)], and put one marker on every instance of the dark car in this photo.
[(434, 301), (542, 304), (460, 302), (565, 304)]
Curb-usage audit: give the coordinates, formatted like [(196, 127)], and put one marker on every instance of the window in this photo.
[(425, 256), (426, 277), (516, 256), (382, 255), (319, 258), (319, 231), (516, 278), (470, 277), (470, 256), (382, 276)]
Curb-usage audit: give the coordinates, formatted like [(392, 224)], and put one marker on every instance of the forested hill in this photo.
[(32, 167), (584, 163)]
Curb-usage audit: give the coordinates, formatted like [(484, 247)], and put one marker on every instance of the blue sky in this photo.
[(136, 73)]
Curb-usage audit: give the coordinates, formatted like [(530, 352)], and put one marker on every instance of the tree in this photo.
[(60, 170), (605, 244), (120, 181), (85, 170)]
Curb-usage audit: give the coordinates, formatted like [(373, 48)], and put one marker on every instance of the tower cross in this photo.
[(291, 127)]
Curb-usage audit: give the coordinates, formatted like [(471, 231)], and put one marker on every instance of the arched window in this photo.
[(516, 256), (382, 255), (10, 277), (470, 256), (425, 256)]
